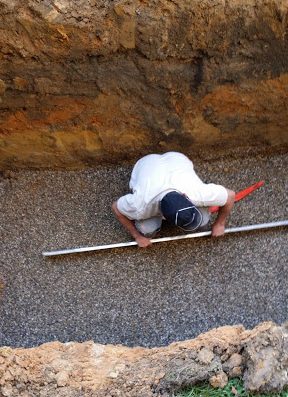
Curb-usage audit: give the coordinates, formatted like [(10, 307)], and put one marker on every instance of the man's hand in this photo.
[(218, 230), (143, 242)]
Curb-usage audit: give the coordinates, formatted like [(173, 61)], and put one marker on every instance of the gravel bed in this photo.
[(148, 297)]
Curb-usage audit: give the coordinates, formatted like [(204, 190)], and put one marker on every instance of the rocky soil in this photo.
[(91, 81), (90, 369)]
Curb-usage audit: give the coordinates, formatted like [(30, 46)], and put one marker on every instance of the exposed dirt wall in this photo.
[(87, 81), (90, 369)]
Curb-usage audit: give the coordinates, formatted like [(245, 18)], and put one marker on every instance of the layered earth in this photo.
[(91, 81)]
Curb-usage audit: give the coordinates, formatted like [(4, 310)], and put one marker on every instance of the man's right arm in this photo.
[(141, 240)]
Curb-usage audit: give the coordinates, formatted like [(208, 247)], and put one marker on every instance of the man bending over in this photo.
[(166, 187)]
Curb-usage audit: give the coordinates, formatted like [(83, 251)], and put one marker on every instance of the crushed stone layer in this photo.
[(148, 297)]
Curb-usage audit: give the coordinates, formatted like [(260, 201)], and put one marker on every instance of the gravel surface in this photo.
[(170, 291)]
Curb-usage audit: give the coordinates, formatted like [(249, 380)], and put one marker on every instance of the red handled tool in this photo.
[(240, 195)]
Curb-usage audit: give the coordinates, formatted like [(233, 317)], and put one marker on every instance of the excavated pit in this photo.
[(84, 84)]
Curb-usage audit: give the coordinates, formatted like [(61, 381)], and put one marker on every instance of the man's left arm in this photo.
[(218, 227)]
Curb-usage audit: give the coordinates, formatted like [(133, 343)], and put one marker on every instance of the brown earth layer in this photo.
[(89, 369), (90, 81)]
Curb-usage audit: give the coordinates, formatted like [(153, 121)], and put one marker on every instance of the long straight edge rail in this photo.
[(163, 239)]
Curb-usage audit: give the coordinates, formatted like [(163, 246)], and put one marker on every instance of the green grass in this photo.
[(234, 388)]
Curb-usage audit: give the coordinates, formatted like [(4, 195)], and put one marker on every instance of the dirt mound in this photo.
[(90, 369)]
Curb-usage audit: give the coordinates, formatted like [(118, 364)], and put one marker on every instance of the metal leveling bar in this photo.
[(162, 239)]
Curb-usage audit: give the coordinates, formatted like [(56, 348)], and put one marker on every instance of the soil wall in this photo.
[(91, 81)]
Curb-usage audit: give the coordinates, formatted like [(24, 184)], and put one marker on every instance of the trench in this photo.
[(148, 297)]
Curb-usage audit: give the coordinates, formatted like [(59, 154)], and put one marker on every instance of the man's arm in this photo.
[(129, 225), (218, 228)]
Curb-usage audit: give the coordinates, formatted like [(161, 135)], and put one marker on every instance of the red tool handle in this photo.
[(240, 195)]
